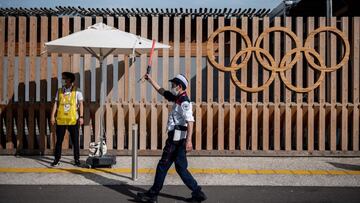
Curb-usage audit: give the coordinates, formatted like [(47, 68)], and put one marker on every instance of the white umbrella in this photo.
[(100, 40)]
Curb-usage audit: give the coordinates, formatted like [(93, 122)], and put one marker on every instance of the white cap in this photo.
[(180, 79)]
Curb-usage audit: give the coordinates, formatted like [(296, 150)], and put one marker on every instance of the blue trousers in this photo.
[(174, 152)]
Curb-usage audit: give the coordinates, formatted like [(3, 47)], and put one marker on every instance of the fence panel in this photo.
[(276, 119)]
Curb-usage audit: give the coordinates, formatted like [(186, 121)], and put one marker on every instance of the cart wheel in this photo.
[(89, 166)]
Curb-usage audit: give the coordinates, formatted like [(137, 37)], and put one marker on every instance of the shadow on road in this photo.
[(346, 166), (113, 184)]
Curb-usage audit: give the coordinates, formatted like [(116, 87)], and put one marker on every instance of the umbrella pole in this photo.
[(102, 101)]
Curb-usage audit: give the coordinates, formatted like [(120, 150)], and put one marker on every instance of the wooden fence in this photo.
[(228, 120)]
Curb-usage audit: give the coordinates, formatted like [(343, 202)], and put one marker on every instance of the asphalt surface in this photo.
[(127, 193)]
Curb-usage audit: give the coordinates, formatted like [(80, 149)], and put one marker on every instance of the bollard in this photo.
[(134, 168)]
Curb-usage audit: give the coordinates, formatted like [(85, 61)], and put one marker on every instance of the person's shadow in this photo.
[(119, 186), (123, 187)]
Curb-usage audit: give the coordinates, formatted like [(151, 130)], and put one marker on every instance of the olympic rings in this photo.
[(210, 50), (272, 66), (266, 84), (341, 35), (303, 89), (277, 29)]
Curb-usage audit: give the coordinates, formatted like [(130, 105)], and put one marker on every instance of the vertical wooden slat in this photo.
[(221, 124), (32, 88), (42, 127), (333, 81), (9, 85), (15, 71), (255, 78), (96, 80), (32, 52), (266, 75), (154, 111), (87, 68), (75, 65), (143, 133), (131, 88), (43, 82), (9, 127), (22, 53), (132, 79), (109, 126), (277, 119), (80, 77), (31, 126), (176, 45), (143, 65), (243, 113), (11, 58), (109, 68), (120, 126), (21, 64), (43, 70), (232, 112), (345, 89), (322, 115), (2, 52), (20, 127), (356, 78), (54, 57), (243, 126), (209, 110), (188, 51), (97, 122), (65, 67), (165, 76), (198, 109), (121, 70), (87, 93), (299, 96), (310, 72), (87, 126), (154, 67), (65, 32), (131, 121), (120, 78), (53, 74), (288, 126)]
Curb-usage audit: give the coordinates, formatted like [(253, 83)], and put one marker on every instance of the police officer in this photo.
[(68, 101), (180, 128)]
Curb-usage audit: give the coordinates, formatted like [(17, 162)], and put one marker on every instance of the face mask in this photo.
[(63, 82), (174, 91)]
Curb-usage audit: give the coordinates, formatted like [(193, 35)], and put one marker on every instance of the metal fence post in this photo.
[(134, 168)]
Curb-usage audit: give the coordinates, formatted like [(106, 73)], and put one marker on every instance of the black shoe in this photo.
[(55, 163), (77, 163), (197, 197), (147, 197)]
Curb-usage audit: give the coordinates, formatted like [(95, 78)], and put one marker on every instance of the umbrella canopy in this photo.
[(100, 40)]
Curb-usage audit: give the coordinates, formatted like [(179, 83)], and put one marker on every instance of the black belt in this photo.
[(180, 127)]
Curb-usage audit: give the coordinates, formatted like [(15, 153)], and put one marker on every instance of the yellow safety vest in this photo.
[(66, 114)]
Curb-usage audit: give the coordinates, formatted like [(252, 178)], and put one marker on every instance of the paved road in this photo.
[(126, 193)]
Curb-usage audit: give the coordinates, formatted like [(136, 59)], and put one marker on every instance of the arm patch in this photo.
[(185, 106)]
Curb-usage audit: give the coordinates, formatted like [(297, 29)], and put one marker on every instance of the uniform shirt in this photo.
[(181, 111), (78, 95)]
